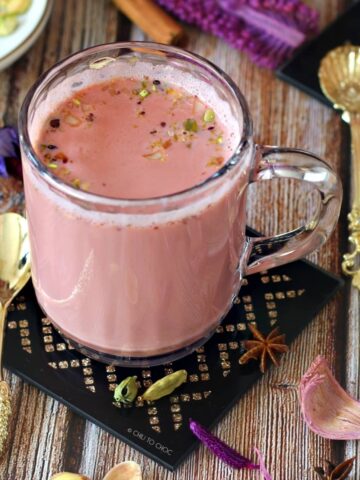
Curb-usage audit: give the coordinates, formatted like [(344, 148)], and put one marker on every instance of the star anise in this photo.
[(262, 347), (336, 472)]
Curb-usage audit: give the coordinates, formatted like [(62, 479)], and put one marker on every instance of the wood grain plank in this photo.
[(46, 437)]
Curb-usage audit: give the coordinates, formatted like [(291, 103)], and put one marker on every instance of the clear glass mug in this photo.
[(141, 282)]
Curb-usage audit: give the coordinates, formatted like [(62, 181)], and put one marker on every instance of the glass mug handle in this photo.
[(276, 162)]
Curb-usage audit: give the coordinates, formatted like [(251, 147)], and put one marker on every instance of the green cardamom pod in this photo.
[(126, 391), (165, 386)]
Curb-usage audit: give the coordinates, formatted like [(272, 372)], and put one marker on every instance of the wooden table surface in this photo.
[(46, 437)]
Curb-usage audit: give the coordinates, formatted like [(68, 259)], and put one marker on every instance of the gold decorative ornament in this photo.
[(339, 76), (14, 273)]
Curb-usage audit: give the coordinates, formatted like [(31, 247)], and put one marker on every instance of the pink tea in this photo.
[(138, 284), (136, 160)]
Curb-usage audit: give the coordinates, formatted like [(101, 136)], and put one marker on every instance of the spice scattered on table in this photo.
[(262, 347), (126, 391), (327, 408), (221, 449), (336, 472), (165, 386)]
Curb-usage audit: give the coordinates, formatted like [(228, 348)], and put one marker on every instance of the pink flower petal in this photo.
[(263, 469), (327, 408)]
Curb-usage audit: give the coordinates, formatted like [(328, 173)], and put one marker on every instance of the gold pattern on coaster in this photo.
[(228, 349)]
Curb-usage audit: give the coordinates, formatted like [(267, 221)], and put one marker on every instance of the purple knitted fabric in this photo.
[(267, 30)]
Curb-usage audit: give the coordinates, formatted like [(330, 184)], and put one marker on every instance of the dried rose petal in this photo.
[(220, 449), (327, 408), (263, 469)]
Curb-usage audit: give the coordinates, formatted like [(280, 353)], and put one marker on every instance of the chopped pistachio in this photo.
[(101, 63), (76, 183), (52, 165), (157, 143), (215, 162), (153, 88), (77, 102), (144, 93), (219, 139), (209, 115), (157, 155), (72, 120), (198, 106), (191, 125), (167, 144)]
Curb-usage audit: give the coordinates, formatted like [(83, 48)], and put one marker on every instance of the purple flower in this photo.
[(9, 152), (220, 449), (267, 30)]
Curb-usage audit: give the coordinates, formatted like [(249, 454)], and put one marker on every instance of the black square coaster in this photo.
[(302, 70), (287, 297)]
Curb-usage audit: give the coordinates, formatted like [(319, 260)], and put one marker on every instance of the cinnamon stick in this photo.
[(148, 16)]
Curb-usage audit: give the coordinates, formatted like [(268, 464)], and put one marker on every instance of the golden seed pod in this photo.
[(125, 471), (68, 476)]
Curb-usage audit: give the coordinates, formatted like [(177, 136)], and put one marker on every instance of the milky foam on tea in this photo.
[(165, 73)]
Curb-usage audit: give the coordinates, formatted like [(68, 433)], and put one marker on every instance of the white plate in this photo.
[(31, 24)]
